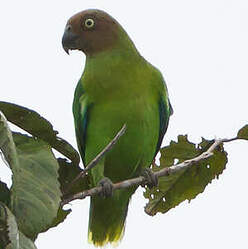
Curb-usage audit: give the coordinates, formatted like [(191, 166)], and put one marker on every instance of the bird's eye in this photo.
[(89, 23)]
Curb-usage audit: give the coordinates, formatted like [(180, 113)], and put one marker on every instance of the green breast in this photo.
[(136, 146), (122, 91)]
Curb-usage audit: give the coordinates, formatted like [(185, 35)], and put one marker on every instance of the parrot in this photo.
[(117, 87)]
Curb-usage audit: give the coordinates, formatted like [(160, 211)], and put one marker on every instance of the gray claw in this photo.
[(151, 178), (107, 187)]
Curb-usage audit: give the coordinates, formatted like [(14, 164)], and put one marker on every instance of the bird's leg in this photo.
[(107, 187), (151, 178), (97, 174)]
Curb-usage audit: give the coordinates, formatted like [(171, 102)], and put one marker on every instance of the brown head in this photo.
[(91, 31)]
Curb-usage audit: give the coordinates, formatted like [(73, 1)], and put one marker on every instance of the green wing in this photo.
[(165, 110), (81, 116)]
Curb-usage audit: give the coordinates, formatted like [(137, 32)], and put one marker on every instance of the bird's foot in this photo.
[(151, 178), (107, 187)]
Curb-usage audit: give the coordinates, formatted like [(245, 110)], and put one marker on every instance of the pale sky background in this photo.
[(201, 47)]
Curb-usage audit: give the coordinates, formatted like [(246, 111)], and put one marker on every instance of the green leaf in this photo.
[(4, 193), (188, 183), (25, 243), (35, 192), (67, 173), (10, 236), (243, 132), (61, 216), (39, 127), (7, 145)]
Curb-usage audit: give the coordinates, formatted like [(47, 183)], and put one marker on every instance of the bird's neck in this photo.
[(109, 71), (124, 55), (111, 59)]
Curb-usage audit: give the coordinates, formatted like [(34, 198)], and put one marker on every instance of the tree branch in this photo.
[(163, 172)]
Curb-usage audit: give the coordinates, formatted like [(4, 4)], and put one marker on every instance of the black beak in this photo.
[(69, 39)]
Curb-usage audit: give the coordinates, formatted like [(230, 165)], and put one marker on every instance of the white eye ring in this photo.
[(89, 23)]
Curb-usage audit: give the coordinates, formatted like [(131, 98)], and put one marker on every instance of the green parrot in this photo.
[(118, 86)]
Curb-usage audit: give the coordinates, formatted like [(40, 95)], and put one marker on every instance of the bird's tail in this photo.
[(107, 218)]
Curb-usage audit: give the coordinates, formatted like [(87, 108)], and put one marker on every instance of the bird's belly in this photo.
[(136, 148)]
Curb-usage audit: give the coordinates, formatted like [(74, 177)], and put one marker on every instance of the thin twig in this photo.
[(94, 162), (163, 172)]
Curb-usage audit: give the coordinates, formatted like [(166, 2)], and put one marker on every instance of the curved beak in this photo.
[(69, 39)]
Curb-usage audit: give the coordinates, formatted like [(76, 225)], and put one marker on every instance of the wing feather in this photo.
[(81, 116), (165, 110)]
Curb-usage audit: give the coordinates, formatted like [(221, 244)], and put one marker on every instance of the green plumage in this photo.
[(118, 87)]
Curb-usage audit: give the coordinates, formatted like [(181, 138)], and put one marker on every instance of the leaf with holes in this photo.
[(10, 236), (187, 183), (243, 132), (39, 127)]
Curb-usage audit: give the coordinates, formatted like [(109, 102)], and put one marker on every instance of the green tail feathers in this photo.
[(107, 219)]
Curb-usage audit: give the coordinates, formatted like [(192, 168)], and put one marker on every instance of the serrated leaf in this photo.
[(35, 192), (243, 132), (188, 183), (185, 150), (39, 127), (10, 236)]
